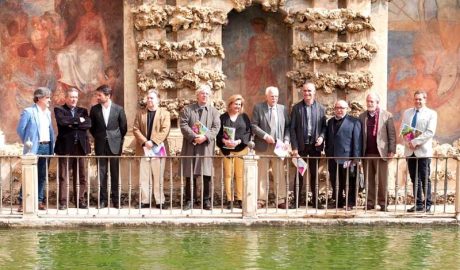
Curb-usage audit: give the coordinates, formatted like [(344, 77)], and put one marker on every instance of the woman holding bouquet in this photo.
[(232, 139)]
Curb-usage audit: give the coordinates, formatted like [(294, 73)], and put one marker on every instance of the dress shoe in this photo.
[(62, 207), (162, 206), (82, 205), (282, 205), (116, 205), (229, 205), (418, 208), (41, 206), (207, 205), (428, 208), (320, 206), (239, 204), (102, 205), (260, 204), (383, 208), (145, 205), (370, 207), (20, 210), (188, 205)]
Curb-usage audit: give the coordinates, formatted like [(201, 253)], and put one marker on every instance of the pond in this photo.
[(233, 247)]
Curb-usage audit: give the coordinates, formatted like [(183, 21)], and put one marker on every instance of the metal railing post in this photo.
[(251, 184), (29, 185)]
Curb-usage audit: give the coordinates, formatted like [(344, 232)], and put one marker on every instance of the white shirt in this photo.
[(106, 112), (426, 122), (44, 120)]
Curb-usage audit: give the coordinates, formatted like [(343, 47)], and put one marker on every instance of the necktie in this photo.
[(200, 112), (414, 120), (273, 122), (73, 112)]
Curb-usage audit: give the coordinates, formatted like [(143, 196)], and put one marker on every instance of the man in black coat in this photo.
[(73, 123), (108, 128)]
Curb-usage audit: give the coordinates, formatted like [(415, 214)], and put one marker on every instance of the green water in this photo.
[(233, 248)]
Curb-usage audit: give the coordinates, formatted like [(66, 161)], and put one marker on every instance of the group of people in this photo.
[(306, 131)]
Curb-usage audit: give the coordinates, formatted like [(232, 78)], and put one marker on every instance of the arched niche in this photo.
[(256, 45)]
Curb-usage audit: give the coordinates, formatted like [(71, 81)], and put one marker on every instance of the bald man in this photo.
[(343, 142)]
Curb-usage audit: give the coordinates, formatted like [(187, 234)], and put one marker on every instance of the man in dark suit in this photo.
[(108, 127), (270, 123), (308, 128), (343, 142), (73, 123)]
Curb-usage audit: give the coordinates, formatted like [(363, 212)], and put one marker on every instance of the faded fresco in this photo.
[(424, 54), (58, 44), (256, 45)]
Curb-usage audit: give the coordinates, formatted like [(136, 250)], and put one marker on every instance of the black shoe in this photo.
[(207, 205), (162, 206), (82, 205), (102, 205), (62, 207), (239, 204), (383, 208), (370, 207), (188, 205), (229, 205), (416, 208), (144, 205), (428, 208), (116, 205), (320, 206)]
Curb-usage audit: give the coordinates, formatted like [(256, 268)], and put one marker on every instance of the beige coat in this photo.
[(160, 130), (386, 133)]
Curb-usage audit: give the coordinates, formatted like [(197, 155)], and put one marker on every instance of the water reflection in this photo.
[(232, 248)]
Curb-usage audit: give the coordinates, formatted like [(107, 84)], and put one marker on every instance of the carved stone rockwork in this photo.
[(267, 5), (328, 83), (178, 18), (334, 52), (185, 50), (332, 20), (175, 105), (192, 79)]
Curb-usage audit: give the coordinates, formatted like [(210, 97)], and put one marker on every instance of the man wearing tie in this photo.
[(270, 123), (308, 128), (73, 123), (420, 149), (108, 127)]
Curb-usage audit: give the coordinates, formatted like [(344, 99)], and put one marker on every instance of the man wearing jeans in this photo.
[(419, 149), (35, 127)]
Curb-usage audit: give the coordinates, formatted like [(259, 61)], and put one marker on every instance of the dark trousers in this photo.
[(205, 188), (77, 165), (103, 170), (313, 163), (339, 188), (419, 171)]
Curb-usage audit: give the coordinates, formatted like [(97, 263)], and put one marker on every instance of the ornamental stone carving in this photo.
[(186, 50), (178, 18), (334, 52), (175, 105), (192, 79), (333, 20), (328, 83), (267, 5)]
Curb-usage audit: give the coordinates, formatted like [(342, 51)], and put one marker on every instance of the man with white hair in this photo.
[(343, 143), (199, 123), (151, 128), (270, 123), (379, 140)]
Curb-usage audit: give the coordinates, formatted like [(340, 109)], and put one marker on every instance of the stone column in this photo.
[(457, 192), (250, 186), (29, 185)]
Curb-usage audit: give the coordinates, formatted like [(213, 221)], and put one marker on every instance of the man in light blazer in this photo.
[(35, 126), (343, 141), (151, 128), (308, 130), (270, 123), (420, 149), (195, 145), (379, 140), (108, 127), (73, 123)]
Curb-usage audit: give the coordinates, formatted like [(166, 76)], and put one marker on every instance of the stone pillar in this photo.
[(250, 186), (457, 192), (29, 185)]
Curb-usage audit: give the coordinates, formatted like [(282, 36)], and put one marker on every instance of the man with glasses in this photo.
[(419, 149), (308, 128), (343, 144)]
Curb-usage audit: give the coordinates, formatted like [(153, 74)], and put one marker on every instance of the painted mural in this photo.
[(58, 44), (424, 54), (256, 45)]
